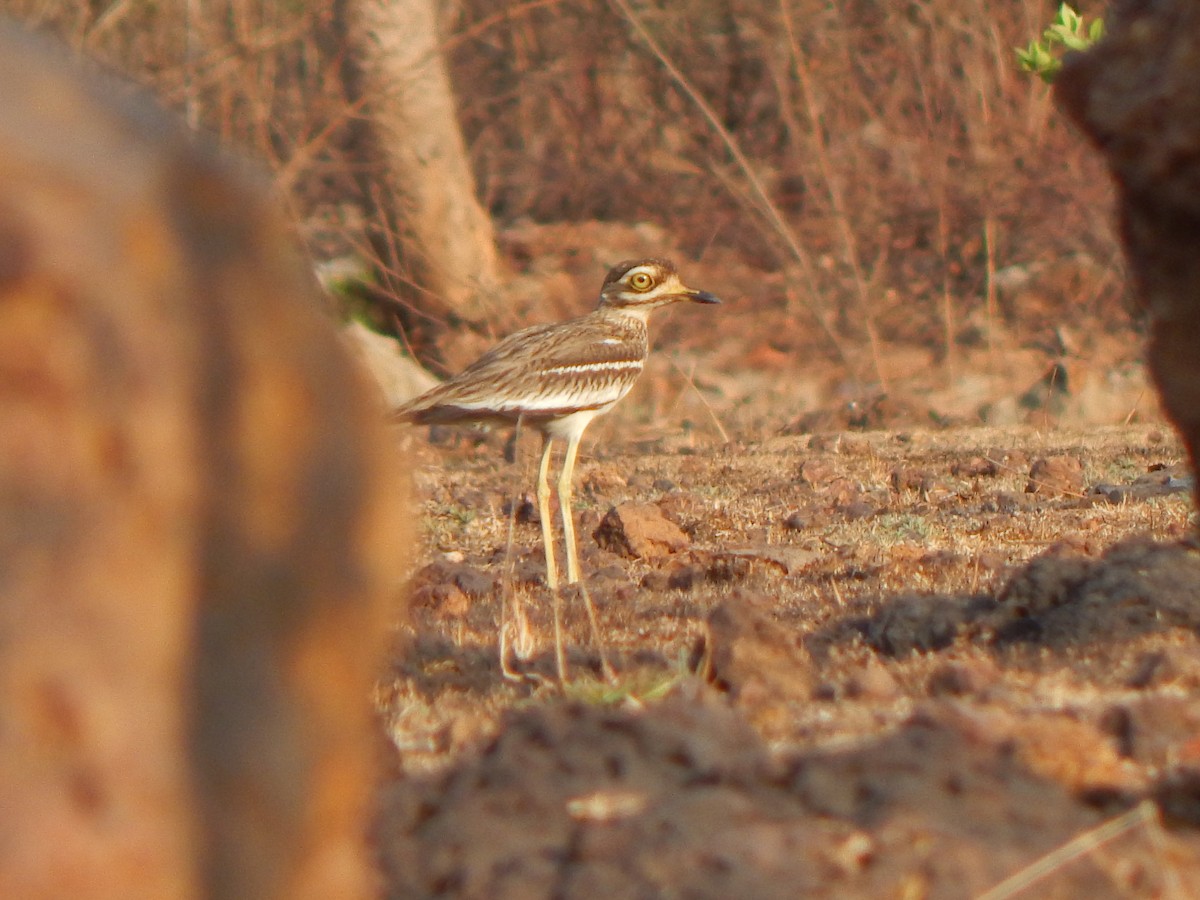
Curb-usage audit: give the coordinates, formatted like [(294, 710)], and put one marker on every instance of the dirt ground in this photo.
[(938, 640)]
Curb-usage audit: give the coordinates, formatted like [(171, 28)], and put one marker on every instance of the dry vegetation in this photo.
[(946, 654), (908, 237), (883, 200), (904, 165)]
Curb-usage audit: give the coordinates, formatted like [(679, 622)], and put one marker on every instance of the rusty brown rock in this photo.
[(817, 472), (874, 681), (639, 530), (446, 600), (963, 677), (473, 582), (1056, 476), (909, 478), (757, 660), (602, 480), (975, 467), (198, 519)]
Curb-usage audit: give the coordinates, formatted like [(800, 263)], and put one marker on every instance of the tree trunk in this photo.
[(449, 253)]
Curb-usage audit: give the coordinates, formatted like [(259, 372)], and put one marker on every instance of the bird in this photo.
[(558, 377)]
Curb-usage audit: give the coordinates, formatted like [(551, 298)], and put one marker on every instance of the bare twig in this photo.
[(707, 406), (764, 202), (523, 639), (833, 188), (989, 248), (1145, 813)]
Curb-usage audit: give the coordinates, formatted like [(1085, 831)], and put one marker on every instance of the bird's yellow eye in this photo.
[(640, 281)]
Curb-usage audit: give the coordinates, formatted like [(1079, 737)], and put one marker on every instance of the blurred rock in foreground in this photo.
[(198, 522), (1137, 96)]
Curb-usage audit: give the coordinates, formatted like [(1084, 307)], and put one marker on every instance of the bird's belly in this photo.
[(572, 425)]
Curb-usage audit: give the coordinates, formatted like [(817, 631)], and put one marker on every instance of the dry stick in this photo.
[(402, 337), (835, 193), (506, 16), (1144, 812), (768, 206), (508, 594), (606, 669), (766, 225), (393, 269), (708, 407), (1133, 410), (1045, 412), (1172, 883), (927, 65), (304, 156), (982, 138), (191, 102), (989, 247), (560, 654), (948, 324), (106, 20), (761, 219)]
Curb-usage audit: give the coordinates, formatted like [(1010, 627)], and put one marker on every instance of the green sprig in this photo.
[(1068, 31)]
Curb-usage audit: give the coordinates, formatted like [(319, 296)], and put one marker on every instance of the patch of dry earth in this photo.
[(890, 663)]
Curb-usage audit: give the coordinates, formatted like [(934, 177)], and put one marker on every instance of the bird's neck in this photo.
[(633, 315)]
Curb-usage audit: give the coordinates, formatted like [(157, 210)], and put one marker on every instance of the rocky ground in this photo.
[(907, 663), (886, 621)]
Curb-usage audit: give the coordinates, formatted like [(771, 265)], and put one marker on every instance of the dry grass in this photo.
[(885, 557), (900, 145), (888, 157), (962, 536)]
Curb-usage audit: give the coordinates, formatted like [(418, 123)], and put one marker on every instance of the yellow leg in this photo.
[(573, 574), (543, 496), (564, 502)]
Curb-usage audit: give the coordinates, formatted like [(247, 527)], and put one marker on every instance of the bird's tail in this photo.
[(409, 413), (420, 410)]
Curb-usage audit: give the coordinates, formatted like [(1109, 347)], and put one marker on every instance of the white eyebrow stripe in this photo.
[(616, 365)]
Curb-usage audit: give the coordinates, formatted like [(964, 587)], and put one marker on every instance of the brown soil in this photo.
[(900, 663)]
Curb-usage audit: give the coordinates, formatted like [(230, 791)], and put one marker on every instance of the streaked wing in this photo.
[(542, 372)]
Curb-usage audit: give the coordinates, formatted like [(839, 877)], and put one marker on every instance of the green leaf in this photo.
[(1026, 57), (1069, 31), (1067, 18)]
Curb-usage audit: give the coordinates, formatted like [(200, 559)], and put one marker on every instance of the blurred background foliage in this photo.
[(904, 160)]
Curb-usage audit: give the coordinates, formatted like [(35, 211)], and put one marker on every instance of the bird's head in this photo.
[(640, 285)]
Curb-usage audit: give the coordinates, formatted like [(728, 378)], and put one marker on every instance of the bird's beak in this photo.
[(702, 297)]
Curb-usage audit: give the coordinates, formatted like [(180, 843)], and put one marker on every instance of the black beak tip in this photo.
[(705, 297)]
